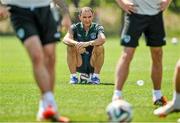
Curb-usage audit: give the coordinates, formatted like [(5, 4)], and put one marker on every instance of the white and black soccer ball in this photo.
[(119, 111), (84, 78)]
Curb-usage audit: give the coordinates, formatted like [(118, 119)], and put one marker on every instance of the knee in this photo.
[(157, 54), (37, 58), (71, 50), (98, 50), (79, 64), (50, 58), (127, 57), (157, 57)]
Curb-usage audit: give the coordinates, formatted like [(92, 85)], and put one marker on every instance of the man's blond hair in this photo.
[(85, 9)]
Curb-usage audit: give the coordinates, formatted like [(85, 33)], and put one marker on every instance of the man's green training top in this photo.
[(80, 35)]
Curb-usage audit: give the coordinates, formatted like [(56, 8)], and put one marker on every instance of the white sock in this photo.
[(157, 95), (40, 104), (96, 75), (176, 100), (90, 75), (117, 94), (40, 110), (48, 99), (74, 74)]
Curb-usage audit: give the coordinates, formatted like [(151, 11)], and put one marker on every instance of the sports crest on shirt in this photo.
[(93, 36)]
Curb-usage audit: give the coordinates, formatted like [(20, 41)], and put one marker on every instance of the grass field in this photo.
[(19, 94)]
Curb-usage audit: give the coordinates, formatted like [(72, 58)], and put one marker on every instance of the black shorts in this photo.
[(151, 26), (86, 66), (34, 21)]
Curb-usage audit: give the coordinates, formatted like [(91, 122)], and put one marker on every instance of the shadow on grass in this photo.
[(107, 83), (95, 84)]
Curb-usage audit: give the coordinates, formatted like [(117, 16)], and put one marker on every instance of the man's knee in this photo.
[(97, 54), (71, 49), (98, 50), (157, 53), (51, 59), (127, 56), (73, 56), (49, 54), (37, 58)]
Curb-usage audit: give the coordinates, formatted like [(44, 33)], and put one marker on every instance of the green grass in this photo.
[(19, 94)]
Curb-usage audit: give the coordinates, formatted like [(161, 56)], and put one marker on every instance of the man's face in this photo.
[(86, 18)]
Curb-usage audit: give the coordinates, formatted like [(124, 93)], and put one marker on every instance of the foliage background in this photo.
[(110, 16)]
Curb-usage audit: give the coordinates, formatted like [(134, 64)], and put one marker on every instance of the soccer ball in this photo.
[(119, 111), (84, 78)]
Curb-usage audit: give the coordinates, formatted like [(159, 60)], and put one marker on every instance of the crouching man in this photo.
[(85, 51)]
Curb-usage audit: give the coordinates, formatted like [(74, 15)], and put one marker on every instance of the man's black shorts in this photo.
[(86, 66), (34, 21), (151, 26)]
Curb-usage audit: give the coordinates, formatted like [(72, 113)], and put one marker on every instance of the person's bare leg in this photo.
[(122, 68), (41, 74), (156, 70), (176, 97), (122, 71), (156, 75), (36, 54), (173, 105), (177, 77), (97, 58), (50, 60), (73, 59)]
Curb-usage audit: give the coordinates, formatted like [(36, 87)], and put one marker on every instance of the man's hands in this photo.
[(164, 4), (81, 46), (4, 12), (127, 6)]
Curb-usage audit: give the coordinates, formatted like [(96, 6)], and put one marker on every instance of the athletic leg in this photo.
[(174, 105), (96, 61), (97, 58), (156, 70), (177, 77), (74, 60), (50, 59), (122, 70), (35, 51), (156, 75)]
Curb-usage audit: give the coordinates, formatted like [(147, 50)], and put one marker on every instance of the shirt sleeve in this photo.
[(100, 29), (73, 28)]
